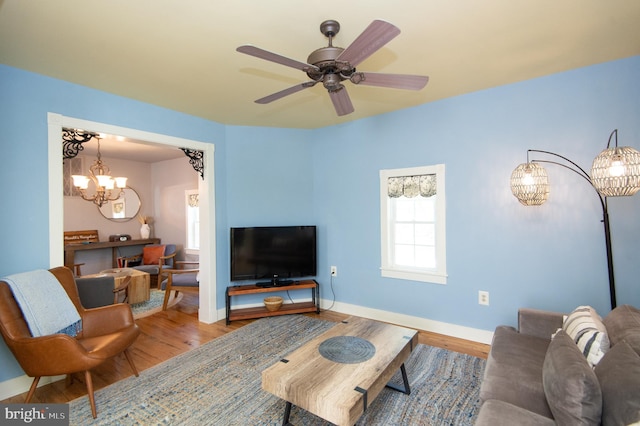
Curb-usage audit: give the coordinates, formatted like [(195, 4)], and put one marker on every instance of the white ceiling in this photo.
[(113, 146), (181, 54)]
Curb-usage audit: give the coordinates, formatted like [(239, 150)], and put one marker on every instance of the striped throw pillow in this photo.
[(587, 330)]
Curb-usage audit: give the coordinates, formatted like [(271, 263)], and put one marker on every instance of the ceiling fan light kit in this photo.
[(331, 65)]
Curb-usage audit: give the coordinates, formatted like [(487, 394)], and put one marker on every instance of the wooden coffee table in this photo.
[(339, 373)]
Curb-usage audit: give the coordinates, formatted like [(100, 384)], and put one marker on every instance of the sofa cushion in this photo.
[(513, 372), (539, 323), (619, 376), (494, 412), (587, 330), (149, 269), (623, 323), (570, 385)]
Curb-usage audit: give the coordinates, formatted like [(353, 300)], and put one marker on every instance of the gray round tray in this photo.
[(347, 349)]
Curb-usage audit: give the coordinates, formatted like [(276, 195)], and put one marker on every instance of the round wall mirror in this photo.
[(124, 208)]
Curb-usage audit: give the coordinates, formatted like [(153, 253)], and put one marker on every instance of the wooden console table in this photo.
[(71, 249), (261, 311)]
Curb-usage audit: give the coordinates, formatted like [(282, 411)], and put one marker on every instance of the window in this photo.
[(193, 222), (412, 212)]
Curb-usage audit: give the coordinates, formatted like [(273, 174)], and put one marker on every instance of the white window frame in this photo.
[(188, 249), (437, 275)]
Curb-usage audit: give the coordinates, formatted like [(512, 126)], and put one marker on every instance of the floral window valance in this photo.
[(411, 186), (193, 200)]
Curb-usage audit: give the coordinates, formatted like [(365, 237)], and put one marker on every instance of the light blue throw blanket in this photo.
[(45, 304)]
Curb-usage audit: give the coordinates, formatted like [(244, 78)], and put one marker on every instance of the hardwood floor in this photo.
[(177, 330)]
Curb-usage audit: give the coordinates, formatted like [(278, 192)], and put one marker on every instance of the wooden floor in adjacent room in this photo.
[(177, 330)]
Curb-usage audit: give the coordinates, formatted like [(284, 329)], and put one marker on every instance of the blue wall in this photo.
[(25, 100), (269, 183), (549, 257), (269, 177)]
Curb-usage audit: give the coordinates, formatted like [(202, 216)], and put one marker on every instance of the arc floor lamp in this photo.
[(615, 172)]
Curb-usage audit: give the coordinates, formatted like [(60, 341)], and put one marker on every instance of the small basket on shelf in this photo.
[(273, 303)]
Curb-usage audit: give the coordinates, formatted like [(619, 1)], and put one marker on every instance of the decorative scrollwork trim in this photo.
[(72, 140), (196, 159)]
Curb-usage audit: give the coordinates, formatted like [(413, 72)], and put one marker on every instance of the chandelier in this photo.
[(104, 183)]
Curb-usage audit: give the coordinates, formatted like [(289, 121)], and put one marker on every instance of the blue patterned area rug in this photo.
[(154, 304), (219, 384)]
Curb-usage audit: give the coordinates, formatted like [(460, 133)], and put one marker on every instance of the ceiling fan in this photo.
[(332, 65)]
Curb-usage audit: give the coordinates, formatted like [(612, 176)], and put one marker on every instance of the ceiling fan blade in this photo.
[(274, 57), (341, 101), (285, 92), (395, 81), (376, 35)]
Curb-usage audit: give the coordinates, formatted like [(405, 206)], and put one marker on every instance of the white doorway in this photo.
[(206, 187)]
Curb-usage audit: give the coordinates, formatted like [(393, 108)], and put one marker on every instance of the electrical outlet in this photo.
[(483, 297), (334, 271)]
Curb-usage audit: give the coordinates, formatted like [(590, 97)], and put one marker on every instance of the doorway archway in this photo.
[(207, 312)]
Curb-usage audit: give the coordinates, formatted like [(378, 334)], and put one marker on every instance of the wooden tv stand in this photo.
[(261, 311)]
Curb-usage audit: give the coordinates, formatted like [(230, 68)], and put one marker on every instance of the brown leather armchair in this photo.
[(106, 331)]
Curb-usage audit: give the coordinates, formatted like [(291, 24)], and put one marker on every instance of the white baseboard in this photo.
[(419, 323), (21, 384)]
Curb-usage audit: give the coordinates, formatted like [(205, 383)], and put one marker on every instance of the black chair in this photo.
[(101, 291)]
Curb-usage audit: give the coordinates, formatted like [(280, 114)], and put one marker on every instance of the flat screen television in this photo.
[(273, 253)]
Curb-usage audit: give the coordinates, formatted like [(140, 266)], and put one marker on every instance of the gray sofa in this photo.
[(532, 379)]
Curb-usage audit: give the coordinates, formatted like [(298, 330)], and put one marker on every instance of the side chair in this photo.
[(179, 278), (153, 260)]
